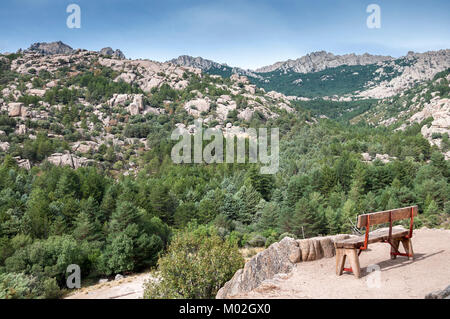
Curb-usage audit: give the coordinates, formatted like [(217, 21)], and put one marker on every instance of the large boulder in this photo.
[(137, 105), (22, 130), (67, 159), (23, 163), (4, 146), (51, 48), (118, 99), (15, 109), (84, 146), (263, 266), (110, 52), (197, 106), (279, 258)]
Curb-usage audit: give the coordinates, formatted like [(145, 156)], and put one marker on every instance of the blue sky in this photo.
[(245, 33)]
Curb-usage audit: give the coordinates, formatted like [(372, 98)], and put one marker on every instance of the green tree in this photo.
[(196, 265)]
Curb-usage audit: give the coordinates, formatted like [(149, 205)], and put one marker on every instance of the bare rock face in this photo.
[(51, 48), (318, 61), (263, 266), (84, 146), (67, 159), (134, 108), (279, 258), (15, 109), (197, 106), (205, 65), (422, 67)]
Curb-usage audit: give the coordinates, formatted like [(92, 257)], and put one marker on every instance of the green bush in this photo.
[(257, 241), (196, 265), (18, 286)]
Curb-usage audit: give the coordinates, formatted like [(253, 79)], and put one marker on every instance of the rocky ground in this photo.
[(399, 278)]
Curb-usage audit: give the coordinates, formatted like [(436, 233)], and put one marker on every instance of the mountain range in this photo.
[(39, 82), (317, 74), (321, 73)]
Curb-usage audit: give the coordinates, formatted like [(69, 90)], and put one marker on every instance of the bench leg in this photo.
[(396, 244), (340, 261), (354, 261), (407, 245)]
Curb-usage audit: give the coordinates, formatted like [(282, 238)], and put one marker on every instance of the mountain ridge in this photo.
[(320, 60)]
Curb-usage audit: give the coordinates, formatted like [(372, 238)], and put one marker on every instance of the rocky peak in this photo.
[(205, 65), (198, 62), (51, 48), (110, 52), (321, 60), (415, 68)]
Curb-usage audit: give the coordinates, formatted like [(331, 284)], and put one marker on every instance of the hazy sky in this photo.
[(241, 33)]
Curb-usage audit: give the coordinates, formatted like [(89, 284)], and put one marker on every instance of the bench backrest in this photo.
[(383, 217)]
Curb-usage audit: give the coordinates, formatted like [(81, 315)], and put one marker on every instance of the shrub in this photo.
[(18, 286), (196, 265), (270, 240), (286, 235), (257, 241), (51, 289)]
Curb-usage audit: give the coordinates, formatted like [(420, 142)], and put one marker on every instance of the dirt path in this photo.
[(130, 287), (127, 288), (399, 278)]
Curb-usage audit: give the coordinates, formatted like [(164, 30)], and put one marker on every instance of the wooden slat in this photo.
[(383, 217), (374, 237)]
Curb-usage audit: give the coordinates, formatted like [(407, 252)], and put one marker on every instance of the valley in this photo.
[(87, 175)]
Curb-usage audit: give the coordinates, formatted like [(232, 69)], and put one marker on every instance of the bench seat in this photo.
[(374, 237)]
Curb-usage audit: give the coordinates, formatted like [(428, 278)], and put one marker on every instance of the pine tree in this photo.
[(247, 199), (84, 228), (125, 214)]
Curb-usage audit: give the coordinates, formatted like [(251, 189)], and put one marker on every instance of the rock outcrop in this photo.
[(23, 163), (51, 48), (279, 258), (108, 51), (15, 109), (197, 106), (4, 146), (67, 159), (205, 65), (415, 68)]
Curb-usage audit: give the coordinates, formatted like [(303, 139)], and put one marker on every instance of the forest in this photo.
[(54, 216)]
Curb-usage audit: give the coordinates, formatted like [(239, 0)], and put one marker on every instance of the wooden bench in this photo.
[(353, 247)]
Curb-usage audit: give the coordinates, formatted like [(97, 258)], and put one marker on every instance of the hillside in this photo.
[(428, 102), (85, 100), (323, 74)]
